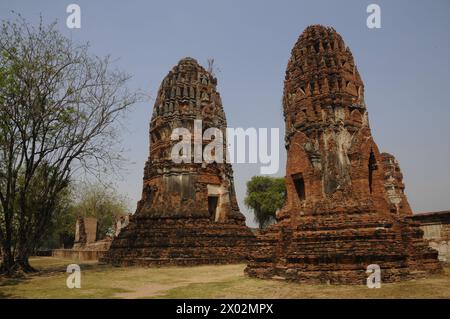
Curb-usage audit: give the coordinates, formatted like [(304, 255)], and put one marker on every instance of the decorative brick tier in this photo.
[(336, 248), (148, 241)]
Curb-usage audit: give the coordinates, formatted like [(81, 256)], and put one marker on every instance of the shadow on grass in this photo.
[(48, 271), (9, 282), (6, 296), (197, 290), (12, 281)]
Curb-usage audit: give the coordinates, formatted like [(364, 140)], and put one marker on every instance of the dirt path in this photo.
[(156, 289)]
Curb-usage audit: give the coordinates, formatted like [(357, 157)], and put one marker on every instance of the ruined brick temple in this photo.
[(345, 206), (188, 213)]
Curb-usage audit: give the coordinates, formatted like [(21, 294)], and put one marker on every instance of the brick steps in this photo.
[(180, 242)]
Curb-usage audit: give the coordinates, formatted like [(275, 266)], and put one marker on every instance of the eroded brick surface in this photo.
[(188, 213), (345, 204)]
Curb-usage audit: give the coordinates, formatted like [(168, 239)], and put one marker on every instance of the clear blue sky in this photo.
[(405, 66)]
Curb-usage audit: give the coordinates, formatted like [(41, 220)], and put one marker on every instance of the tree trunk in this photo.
[(7, 266), (22, 263)]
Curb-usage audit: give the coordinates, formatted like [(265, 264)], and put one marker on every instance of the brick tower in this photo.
[(188, 213), (345, 206)]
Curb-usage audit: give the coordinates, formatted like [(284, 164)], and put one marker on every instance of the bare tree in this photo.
[(59, 110)]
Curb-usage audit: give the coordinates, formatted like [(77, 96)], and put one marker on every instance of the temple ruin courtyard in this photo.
[(221, 281)]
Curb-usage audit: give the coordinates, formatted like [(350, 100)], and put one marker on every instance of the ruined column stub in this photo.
[(79, 230), (85, 231), (345, 202), (90, 226), (188, 213)]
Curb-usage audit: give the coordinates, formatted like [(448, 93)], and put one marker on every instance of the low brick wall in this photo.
[(436, 229), (78, 254)]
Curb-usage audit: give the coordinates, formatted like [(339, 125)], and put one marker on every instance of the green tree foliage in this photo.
[(102, 203), (84, 200), (265, 195), (60, 232)]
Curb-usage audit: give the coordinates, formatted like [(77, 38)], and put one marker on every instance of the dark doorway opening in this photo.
[(299, 183), (372, 167), (212, 206)]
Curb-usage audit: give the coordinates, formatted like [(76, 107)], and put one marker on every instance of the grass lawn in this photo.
[(228, 281)]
